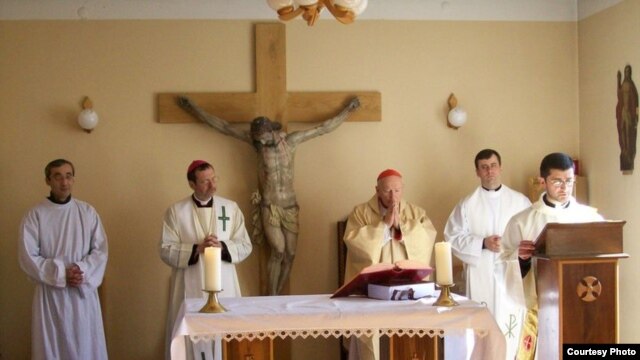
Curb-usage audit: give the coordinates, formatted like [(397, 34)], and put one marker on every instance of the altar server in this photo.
[(474, 230), (194, 223), (385, 229), (557, 205), (63, 249)]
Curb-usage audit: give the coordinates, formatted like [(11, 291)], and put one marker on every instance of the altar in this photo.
[(304, 316)]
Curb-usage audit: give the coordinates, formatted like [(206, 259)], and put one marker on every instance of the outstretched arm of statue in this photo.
[(327, 126), (215, 122)]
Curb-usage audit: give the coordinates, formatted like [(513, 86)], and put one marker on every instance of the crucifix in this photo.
[(277, 216), (271, 98)]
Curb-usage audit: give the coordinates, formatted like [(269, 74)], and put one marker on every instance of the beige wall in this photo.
[(608, 42), (518, 82)]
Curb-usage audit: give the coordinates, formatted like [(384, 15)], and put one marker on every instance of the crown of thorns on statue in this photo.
[(262, 125)]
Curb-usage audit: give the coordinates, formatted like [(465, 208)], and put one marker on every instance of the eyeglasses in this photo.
[(60, 177), (559, 182), (213, 179)]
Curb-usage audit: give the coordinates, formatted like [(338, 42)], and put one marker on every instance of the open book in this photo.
[(400, 273)]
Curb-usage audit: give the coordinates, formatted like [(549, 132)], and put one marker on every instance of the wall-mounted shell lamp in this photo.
[(87, 119), (456, 116)]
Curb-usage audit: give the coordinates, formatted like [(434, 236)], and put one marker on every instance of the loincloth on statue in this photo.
[(286, 217)]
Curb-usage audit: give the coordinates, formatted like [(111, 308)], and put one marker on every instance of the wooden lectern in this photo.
[(577, 283)]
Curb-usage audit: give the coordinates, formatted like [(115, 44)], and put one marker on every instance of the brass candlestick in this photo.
[(445, 298), (213, 305)]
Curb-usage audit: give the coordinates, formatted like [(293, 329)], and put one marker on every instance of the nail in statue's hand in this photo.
[(354, 104), (184, 102)]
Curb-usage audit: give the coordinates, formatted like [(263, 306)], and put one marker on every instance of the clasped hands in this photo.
[(492, 243), (392, 217), (74, 276), (210, 240)]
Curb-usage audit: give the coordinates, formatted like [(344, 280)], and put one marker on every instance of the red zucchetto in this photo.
[(389, 172), (194, 164)]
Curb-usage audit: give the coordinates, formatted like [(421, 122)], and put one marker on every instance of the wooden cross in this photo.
[(271, 98)]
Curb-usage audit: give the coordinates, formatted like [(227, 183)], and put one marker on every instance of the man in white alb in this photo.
[(198, 221), (63, 249), (474, 230)]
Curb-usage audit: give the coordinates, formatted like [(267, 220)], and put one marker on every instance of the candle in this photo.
[(444, 272), (212, 270)]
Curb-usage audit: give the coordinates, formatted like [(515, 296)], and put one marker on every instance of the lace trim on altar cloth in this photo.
[(293, 334)]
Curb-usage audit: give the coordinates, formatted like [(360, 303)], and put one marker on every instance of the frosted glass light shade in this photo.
[(357, 6), (88, 119), (359, 9), (457, 117), (347, 3), (279, 4), (306, 2)]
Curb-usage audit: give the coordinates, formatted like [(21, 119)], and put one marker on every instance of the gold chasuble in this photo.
[(367, 243)]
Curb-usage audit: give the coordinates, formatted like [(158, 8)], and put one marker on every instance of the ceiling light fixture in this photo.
[(344, 11)]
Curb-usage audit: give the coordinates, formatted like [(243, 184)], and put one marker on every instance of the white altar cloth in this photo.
[(260, 317)]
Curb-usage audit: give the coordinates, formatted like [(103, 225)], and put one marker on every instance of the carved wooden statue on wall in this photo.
[(627, 119), (276, 198)]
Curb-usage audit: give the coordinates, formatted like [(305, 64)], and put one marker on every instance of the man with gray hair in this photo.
[(63, 249), (385, 229)]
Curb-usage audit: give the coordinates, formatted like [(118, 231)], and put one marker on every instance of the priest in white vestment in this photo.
[(63, 249), (385, 229), (475, 229), (190, 225), (556, 205)]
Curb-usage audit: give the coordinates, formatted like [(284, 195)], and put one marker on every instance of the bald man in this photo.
[(385, 229)]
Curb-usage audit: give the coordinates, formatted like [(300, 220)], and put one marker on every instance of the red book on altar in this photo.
[(400, 273)]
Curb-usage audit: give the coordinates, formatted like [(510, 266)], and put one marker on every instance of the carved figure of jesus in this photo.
[(277, 199)]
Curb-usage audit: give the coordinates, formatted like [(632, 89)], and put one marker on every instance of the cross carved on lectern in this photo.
[(271, 98)]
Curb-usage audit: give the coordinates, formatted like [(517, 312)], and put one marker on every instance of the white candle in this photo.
[(444, 272), (212, 270)]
